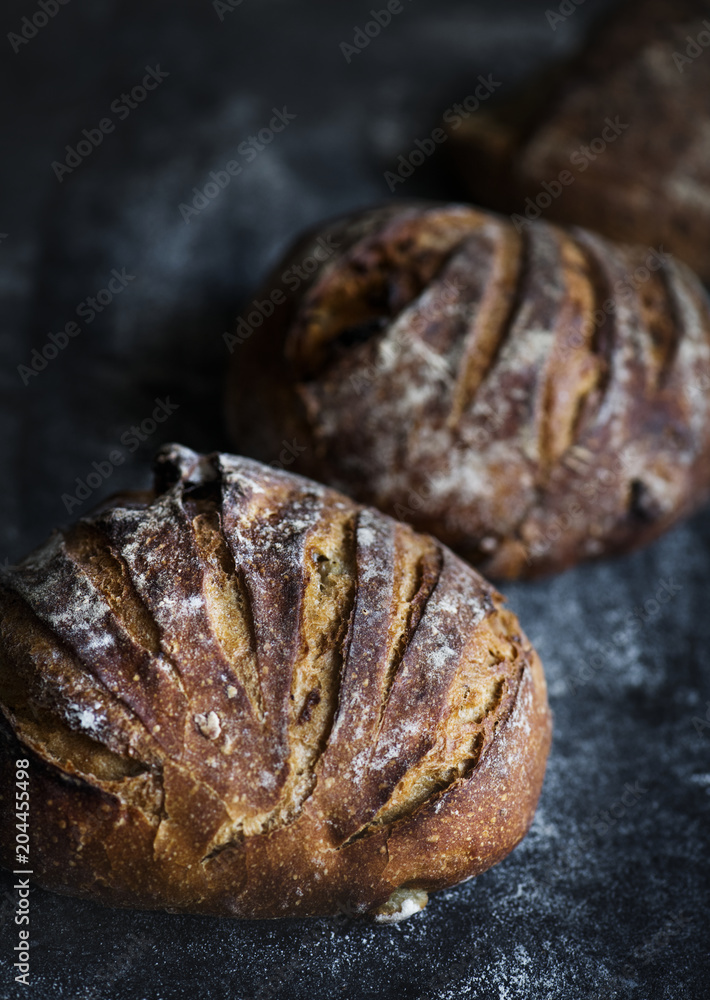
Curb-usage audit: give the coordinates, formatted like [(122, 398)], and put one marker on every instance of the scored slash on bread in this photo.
[(247, 695)]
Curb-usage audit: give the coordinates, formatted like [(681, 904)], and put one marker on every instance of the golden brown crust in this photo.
[(246, 695), (532, 399), (651, 182)]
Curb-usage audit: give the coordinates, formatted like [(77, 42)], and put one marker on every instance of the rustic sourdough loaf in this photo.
[(245, 695), (531, 398), (615, 140)]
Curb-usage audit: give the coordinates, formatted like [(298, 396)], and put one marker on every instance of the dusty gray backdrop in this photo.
[(609, 894)]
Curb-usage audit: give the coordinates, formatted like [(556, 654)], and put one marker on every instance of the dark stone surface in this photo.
[(590, 905)]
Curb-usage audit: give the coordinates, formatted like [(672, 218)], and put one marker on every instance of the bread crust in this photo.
[(646, 179), (532, 399), (246, 695)]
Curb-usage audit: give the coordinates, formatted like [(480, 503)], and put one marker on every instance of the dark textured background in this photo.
[(590, 905)]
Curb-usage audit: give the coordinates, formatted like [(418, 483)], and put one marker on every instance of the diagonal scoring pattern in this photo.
[(453, 372), (245, 652)]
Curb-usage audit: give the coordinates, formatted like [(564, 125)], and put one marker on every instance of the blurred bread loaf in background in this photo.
[(532, 398)]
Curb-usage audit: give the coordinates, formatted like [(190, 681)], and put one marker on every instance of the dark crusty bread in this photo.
[(651, 184), (246, 695), (532, 398)]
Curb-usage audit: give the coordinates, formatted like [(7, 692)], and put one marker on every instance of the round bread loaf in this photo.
[(531, 398), (245, 695), (614, 140)]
